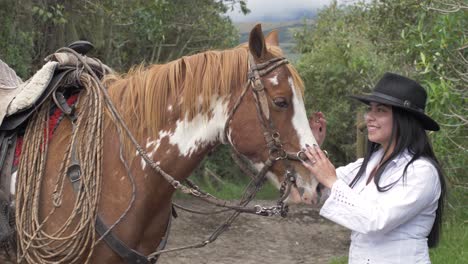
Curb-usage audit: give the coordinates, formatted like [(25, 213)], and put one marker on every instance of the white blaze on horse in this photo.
[(179, 112)]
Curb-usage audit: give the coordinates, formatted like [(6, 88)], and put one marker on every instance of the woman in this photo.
[(392, 199)]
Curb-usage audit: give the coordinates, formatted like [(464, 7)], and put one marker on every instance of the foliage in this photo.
[(440, 61), (124, 32), (15, 45), (350, 47), (338, 61)]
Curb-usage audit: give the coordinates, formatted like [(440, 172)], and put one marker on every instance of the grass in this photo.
[(453, 247), (339, 260), (230, 189)]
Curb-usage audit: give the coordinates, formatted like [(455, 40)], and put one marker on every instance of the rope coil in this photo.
[(75, 239)]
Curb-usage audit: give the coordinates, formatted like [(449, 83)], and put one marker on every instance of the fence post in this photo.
[(361, 137)]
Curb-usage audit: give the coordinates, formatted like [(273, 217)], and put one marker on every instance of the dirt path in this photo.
[(302, 237)]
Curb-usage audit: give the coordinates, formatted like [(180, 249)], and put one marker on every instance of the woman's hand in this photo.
[(318, 124), (320, 166)]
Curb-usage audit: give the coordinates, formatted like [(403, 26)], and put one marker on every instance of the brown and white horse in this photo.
[(177, 112)]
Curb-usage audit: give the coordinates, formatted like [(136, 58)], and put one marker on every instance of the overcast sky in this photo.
[(275, 8)]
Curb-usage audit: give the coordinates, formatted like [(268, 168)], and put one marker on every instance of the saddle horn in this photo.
[(81, 46)]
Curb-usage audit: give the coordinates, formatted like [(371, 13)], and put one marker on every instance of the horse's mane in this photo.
[(142, 95)]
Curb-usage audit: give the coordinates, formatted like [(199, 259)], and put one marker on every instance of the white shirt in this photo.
[(391, 226)]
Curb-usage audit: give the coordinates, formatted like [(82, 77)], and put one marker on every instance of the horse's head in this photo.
[(270, 122)]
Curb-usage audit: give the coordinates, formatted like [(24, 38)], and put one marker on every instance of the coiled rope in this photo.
[(75, 239)]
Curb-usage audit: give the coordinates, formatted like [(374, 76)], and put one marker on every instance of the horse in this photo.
[(178, 112)]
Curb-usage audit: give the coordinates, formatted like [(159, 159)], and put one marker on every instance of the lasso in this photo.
[(74, 241)]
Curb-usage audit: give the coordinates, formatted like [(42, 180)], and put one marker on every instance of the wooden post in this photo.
[(361, 136)]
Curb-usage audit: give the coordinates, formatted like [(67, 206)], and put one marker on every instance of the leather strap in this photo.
[(405, 103), (119, 247), (7, 157)]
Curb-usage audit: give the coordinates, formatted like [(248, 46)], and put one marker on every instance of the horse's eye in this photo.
[(281, 102)]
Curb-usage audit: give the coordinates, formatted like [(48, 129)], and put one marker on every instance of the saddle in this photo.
[(24, 99), (19, 100)]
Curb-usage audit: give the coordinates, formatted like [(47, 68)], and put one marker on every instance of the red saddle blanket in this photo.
[(54, 120)]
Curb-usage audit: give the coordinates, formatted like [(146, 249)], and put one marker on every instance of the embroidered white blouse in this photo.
[(387, 227)]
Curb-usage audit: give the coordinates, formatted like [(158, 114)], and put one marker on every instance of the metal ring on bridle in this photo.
[(275, 135), (258, 209), (278, 154), (302, 156)]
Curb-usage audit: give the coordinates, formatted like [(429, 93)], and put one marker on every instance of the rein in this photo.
[(273, 142)]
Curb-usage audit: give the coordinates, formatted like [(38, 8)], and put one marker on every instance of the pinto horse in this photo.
[(178, 112)]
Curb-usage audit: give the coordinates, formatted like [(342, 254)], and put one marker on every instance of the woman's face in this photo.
[(379, 121)]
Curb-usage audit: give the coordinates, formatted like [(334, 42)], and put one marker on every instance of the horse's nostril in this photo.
[(319, 188)]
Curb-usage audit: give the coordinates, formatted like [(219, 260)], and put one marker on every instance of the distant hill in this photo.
[(286, 30)]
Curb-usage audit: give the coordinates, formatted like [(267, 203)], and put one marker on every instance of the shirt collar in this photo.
[(402, 157)]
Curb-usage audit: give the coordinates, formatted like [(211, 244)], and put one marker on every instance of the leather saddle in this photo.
[(55, 73)]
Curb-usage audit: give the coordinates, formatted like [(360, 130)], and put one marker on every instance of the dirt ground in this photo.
[(302, 237)]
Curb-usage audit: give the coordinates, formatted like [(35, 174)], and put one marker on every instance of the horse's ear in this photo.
[(272, 38), (257, 42)]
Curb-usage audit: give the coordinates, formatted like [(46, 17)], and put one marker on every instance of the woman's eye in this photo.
[(280, 102)]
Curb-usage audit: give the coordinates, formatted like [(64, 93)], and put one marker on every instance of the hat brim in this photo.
[(427, 122)]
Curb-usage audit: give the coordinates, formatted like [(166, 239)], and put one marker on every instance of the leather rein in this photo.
[(273, 143)]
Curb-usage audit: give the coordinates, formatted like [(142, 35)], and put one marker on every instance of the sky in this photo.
[(278, 9)]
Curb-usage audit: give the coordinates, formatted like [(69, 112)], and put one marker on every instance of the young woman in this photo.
[(393, 198)]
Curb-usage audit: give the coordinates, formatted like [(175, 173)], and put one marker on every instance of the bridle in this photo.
[(276, 152), (272, 136)]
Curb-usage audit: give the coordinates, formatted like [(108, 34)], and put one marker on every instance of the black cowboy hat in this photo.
[(399, 91)]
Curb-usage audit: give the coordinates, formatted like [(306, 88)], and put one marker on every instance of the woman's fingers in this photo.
[(307, 165), (319, 153), (310, 155)]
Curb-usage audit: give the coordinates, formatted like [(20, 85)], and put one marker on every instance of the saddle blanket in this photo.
[(33, 88)]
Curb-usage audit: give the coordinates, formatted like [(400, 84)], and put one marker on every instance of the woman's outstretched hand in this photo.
[(320, 166), (318, 124)]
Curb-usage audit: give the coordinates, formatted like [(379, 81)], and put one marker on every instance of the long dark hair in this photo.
[(409, 134)]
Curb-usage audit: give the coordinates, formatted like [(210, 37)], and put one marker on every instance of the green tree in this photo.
[(124, 32), (338, 60), (350, 46)]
